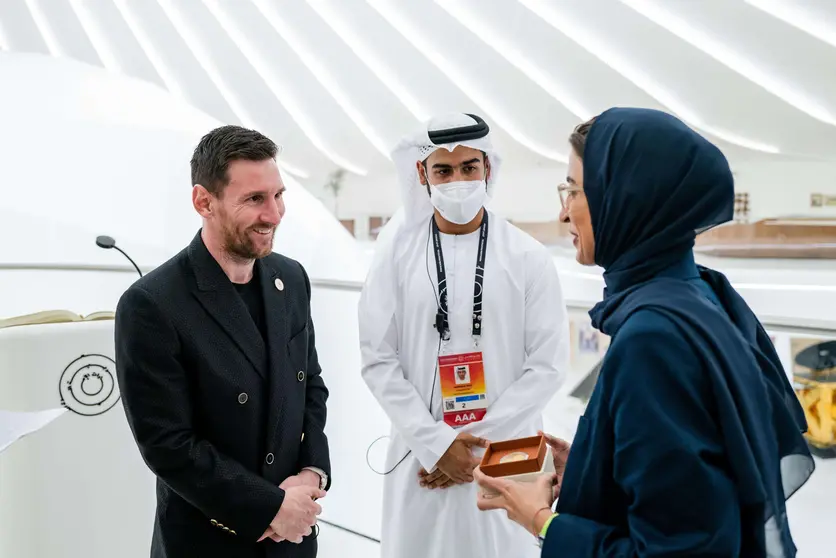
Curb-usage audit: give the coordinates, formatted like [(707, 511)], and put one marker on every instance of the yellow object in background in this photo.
[(815, 386), (817, 399)]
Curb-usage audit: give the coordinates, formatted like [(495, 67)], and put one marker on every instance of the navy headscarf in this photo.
[(652, 184)]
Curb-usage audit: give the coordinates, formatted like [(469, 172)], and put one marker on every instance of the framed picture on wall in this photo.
[(816, 200), (375, 225), (588, 340)]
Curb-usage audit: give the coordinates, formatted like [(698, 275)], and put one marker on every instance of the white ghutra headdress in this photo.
[(442, 132)]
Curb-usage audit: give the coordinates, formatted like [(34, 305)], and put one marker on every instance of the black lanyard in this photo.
[(441, 322)]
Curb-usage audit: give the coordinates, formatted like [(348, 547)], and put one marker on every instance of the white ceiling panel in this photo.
[(403, 68), (688, 82), (745, 82), (814, 17), (782, 59), (566, 69), (172, 47), (338, 82), (310, 118), (71, 39), (18, 29), (112, 39), (237, 80), (377, 114)]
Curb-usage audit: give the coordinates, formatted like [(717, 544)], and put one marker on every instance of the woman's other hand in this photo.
[(560, 453)]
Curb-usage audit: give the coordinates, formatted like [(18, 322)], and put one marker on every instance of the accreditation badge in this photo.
[(463, 396)]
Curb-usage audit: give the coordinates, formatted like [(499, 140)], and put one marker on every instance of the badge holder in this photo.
[(463, 392)]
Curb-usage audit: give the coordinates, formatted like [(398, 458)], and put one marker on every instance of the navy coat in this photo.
[(692, 439)]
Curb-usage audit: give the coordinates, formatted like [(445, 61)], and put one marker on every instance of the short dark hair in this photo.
[(223, 145), (578, 138)]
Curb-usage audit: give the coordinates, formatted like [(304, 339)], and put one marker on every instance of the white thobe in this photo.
[(525, 350)]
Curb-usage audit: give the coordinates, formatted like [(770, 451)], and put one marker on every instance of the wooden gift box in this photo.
[(522, 459)]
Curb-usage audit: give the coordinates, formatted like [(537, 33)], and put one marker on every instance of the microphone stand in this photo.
[(108, 242)]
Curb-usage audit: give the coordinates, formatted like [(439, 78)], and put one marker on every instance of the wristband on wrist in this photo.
[(546, 525), (534, 519), (541, 536)]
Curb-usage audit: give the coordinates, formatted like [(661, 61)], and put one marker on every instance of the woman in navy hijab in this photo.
[(692, 439)]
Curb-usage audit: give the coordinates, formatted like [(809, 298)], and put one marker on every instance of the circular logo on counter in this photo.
[(88, 385)]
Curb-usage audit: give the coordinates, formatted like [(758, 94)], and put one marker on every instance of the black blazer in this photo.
[(220, 418)]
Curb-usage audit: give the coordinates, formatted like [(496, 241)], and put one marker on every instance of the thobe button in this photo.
[(242, 398), (300, 376), (269, 459)]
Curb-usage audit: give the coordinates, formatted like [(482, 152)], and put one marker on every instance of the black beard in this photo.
[(239, 245)]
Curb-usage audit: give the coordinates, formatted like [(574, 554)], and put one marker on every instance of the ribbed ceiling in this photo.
[(337, 82)]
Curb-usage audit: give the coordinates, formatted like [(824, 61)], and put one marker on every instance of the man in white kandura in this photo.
[(464, 339)]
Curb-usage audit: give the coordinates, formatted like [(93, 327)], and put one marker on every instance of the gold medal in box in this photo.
[(521, 459)]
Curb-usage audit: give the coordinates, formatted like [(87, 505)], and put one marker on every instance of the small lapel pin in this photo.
[(279, 284)]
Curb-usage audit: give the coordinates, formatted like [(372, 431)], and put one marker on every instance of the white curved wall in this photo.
[(85, 152), (79, 486), (787, 290)]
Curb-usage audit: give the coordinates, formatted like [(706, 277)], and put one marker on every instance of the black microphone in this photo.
[(108, 242)]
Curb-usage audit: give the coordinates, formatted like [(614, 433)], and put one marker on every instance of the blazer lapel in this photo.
[(275, 313), (217, 295)]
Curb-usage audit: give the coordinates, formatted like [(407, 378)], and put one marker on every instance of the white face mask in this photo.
[(459, 202)]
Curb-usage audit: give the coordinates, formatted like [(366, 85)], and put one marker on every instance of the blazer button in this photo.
[(303, 437), (269, 459), (242, 398), (300, 376), (213, 522)]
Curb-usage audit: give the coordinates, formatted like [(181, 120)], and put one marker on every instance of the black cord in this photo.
[(437, 354), (130, 260), (437, 305)]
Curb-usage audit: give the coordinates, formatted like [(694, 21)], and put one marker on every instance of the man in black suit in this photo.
[(218, 371)]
